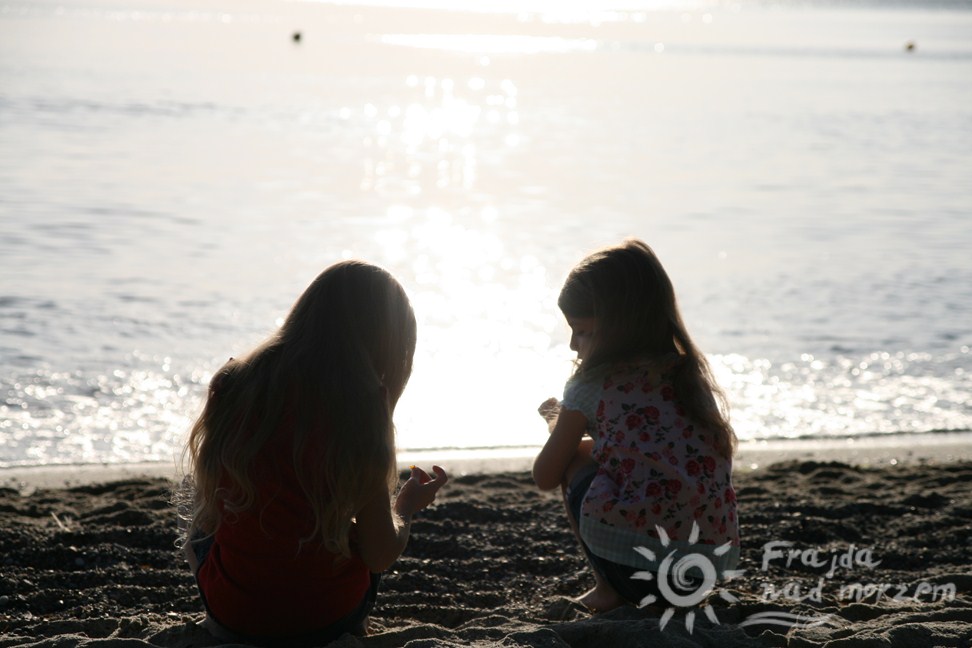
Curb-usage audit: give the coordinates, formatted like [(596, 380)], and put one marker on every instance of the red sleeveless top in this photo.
[(259, 580)]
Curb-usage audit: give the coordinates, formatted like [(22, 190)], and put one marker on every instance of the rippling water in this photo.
[(172, 175)]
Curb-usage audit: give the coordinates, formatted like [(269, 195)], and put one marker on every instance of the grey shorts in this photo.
[(618, 575)]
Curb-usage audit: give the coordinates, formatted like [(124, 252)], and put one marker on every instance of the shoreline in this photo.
[(892, 450)]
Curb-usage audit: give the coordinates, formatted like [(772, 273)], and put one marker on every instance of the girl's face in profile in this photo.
[(581, 333)]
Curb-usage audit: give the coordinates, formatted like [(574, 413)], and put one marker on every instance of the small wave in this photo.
[(43, 107), (26, 303)]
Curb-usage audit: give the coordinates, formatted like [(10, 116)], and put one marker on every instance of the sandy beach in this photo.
[(837, 554)]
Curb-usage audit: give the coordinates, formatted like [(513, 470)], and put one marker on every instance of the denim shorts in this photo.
[(354, 623), (617, 575)]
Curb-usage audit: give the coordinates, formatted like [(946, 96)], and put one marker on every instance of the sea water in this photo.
[(173, 174)]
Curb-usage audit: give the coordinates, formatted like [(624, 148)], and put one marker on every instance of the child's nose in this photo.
[(573, 342)]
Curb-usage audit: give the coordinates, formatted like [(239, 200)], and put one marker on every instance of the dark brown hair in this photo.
[(627, 291), (333, 371)]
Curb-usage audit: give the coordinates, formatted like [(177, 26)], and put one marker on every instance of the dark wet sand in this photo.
[(493, 564)]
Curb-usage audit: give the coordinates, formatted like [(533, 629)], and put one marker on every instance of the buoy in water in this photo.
[(296, 37)]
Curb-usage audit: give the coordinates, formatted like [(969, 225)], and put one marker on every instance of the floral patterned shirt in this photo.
[(656, 469)]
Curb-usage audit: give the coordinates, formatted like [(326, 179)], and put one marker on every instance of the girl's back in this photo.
[(255, 579), (657, 467)]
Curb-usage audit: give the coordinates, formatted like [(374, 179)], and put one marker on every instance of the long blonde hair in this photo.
[(626, 289), (330, 376)]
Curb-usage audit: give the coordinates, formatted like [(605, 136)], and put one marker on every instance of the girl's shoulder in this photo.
[(654, 369), (581, 390)]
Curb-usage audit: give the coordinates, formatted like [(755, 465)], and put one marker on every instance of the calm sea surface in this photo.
[(173, 174)]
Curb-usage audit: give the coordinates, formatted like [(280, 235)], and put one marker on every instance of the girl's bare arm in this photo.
[(383, 529), (551, 464)]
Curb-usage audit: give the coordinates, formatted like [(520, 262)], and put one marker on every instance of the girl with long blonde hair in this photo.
[(655, 473), (292, 465)]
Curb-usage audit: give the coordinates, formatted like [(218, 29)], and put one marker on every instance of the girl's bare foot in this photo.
[(601, 599)]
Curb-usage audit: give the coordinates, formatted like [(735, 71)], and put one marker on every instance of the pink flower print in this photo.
[(699, 512), (627, 388), (608, 506), (693, 469), (667, 392), (700, 488), (651, 412), (600, 409), (709, 464), (645, 437), (673, 460), (730, 495), (673, 486), (633, 421), (627, 466), (653, 489), (656, 508), (687, 432), (732, 515), (718, 503)]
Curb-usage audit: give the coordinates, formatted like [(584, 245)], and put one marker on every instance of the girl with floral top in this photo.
[(653, 482)]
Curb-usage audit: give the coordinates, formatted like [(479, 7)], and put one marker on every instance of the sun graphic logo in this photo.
[(682, 573)]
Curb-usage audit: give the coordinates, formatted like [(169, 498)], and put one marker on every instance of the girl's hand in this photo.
[(549, 409), (419, 490), (382, 533)]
